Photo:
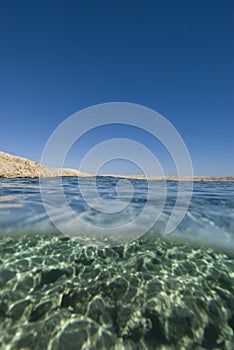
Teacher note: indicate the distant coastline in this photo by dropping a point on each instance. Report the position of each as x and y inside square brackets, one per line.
[12, 166]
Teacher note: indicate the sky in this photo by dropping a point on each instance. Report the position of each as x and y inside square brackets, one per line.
[176, 57]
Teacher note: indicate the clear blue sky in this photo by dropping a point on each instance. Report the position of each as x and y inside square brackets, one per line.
[176, 57]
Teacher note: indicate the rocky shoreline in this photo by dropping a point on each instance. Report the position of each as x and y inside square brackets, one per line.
[12, 166]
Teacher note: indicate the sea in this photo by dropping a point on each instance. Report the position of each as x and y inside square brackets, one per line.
[75, 275]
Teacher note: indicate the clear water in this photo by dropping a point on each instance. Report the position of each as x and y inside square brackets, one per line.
[160, 291]
[209, 220]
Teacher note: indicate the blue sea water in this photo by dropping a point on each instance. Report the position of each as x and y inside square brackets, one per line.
[209, 219]
[157, 291]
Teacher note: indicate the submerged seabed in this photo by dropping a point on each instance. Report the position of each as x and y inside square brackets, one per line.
[148, 294]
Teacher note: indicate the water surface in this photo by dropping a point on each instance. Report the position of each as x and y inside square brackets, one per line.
[209, 220]
[160, 291]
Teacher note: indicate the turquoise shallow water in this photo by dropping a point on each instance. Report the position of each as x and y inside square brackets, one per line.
[157, 292]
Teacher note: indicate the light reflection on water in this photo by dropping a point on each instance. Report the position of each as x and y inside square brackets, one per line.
[148, 294]
[209, 220]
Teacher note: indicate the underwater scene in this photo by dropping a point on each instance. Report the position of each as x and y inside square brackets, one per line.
[158, 290]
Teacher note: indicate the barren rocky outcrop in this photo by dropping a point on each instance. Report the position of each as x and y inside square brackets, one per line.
[12, 166]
